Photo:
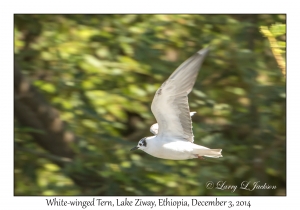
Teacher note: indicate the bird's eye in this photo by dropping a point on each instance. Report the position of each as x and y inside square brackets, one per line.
[140, 144]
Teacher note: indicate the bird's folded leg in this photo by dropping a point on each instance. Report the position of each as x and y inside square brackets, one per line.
[201, 157]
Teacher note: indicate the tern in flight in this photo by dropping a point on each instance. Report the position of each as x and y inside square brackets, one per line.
[173, 135]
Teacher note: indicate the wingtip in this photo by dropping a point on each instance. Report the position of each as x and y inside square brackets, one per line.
[203, 51]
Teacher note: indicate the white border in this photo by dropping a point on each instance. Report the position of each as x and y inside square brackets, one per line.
[8, 8]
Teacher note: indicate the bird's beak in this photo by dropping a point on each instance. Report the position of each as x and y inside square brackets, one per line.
[134, 148]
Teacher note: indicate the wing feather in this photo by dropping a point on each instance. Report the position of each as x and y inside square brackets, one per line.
[154, 127]
[170, 104]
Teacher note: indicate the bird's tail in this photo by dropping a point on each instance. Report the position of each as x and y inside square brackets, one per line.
[213, 153]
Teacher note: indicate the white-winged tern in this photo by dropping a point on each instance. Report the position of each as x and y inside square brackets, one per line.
[173, 136]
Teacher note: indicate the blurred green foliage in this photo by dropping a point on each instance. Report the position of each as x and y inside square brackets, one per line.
[101, 73]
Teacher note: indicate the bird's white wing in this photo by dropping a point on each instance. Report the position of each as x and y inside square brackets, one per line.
[154, 127]
[170, 104]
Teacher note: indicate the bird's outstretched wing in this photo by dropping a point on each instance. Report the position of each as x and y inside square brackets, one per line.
[154, 127]
[170, 104]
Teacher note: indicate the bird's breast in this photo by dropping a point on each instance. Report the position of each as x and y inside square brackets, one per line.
[175, 150]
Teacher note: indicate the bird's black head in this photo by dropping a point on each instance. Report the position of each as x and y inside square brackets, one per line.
[141, 145]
